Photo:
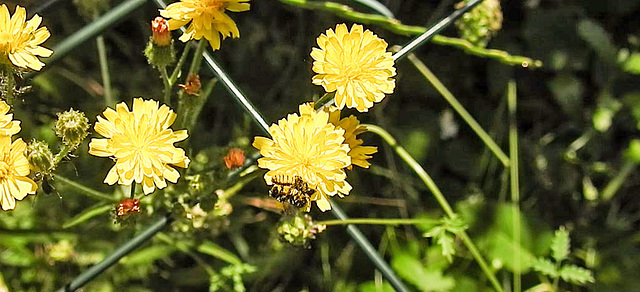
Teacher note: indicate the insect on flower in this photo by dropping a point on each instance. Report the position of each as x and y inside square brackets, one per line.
[127, 206]
[292, 190]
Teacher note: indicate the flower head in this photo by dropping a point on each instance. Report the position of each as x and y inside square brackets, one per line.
[354, 64]
[8, 126]
[352, 128]
[207, 17]
[310, 147]
[14, 168]
[141, 142]
[160, 32]
[72, 127]
[20, 41]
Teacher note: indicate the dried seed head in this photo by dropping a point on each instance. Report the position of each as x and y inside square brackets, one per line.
[192, 85]
[128, 206]
[234, 158]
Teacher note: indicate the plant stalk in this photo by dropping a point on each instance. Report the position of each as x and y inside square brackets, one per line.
[514, 179]
[104, 71]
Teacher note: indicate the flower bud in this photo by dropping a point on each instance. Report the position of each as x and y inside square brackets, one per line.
[160, 28]
[234, 158]
[192, 85]
[40, 157]
[481, 23]
[72, 127]
[299, 230]
[159, 50]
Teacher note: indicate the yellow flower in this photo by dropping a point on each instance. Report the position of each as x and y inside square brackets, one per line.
[351, 126]
[354, 64]
[8, 126]
[310, 147]
[20, 41]
[14, 168]
[207, 19]
[141, 143]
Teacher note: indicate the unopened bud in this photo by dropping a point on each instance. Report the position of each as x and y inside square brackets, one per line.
[128, 206]
[40, 157]
[160, 29]
[192, 85]
[481, 23]
[72, 127]
[299, 230]
[234, 158]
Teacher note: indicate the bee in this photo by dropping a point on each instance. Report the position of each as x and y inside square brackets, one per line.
[292, 190]
[127, 206]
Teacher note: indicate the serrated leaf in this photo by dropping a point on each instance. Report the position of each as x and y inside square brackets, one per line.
[446, 241]
[545, 266]
[435, 231]
[576, 275]
[560, 245]
[455, 224]
[412, 270]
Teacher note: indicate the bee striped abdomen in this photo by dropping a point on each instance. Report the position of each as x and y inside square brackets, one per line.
[292, 190]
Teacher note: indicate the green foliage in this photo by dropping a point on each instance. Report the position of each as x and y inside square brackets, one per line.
[560, 251]
[415, 272]
[442, 234]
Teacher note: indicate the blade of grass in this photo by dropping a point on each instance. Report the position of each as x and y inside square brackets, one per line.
[515, 185]
[459, 108]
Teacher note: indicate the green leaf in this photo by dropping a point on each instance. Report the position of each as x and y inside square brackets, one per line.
[88, 214]
[217, 251]
[568, 91]
[545, 266]
[633, 152]
[598, 39]
[412, 270]
[447, 243]
[504, 249]
[560, 245]
[632, 63]
[371, 287]
[576, 275]
[148, 255]
[455, 224]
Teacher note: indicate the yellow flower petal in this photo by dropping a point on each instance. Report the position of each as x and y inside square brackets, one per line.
[20, 41]
[142, 143]
[14, 168]
[355, 65]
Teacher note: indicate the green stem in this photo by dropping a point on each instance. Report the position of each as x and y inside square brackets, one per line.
[178, 68]
[197, 57]
[396, 26]
[428, 181]
[116, 255]
[133, 190]
[326, 99]
[459, 108]
[228, 193]
[61, 155]
[377, 221]
[167, 85]
[615, 184]
[11, 83]
[515, 185]
[104, 70]
[85, 190]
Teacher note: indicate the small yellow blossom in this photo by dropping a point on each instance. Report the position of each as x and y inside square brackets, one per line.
[20, 41]
[354, 64]
[351, 126]
[207, 17]
[14, 168]
[8, 126]
[310, 147]
[141, 142]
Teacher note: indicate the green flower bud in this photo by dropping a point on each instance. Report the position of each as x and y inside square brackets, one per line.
[72, 127]
[160, 56]
[40, 157]
[299, 230]
[481, 23]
